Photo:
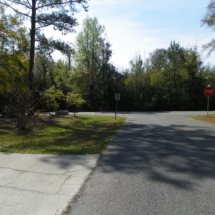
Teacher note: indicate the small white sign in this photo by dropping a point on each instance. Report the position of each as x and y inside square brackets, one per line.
[117, 96]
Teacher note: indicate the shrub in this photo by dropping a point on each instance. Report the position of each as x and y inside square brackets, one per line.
[75, 100]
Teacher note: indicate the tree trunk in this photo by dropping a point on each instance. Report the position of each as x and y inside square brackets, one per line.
[32, 44]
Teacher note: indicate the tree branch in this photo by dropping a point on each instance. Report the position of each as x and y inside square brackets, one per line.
[29, 3]
[43, 26]
[210, 47]
[62, 22]
[24, 14]
[19, 3]
[62, 3]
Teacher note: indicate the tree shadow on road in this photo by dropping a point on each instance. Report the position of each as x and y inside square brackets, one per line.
[164, 154]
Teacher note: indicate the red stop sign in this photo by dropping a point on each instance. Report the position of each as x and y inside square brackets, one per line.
[208, 91]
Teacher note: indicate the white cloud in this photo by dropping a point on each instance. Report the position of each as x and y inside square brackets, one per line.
[143, 26]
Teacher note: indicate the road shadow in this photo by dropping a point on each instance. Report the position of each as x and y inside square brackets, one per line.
[165, 154]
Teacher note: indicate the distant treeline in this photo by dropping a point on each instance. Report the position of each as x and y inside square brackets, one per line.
[170, 79]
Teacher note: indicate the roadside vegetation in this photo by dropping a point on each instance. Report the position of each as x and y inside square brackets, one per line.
[84, 79]
[59, 135]
[204, 118]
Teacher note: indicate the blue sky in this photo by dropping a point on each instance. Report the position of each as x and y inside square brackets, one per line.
[141, 26]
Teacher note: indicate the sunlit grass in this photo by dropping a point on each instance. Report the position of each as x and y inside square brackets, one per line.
[80, 135]
[204, 118]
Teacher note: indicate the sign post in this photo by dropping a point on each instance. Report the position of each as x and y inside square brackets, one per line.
[117, 98]
[208, 91]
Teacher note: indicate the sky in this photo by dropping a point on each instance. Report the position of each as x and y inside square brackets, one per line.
[142, 26]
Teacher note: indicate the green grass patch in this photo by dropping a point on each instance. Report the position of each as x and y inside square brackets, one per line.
[204, 118]
[60, 135]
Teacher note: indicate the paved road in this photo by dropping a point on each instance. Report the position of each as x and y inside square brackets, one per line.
[157, 164]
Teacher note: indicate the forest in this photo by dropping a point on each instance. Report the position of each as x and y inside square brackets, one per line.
[85, 79]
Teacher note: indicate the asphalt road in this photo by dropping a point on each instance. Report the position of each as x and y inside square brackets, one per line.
[157, 164]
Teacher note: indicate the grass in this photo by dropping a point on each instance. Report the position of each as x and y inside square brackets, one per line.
[204, 118]
[60, 135]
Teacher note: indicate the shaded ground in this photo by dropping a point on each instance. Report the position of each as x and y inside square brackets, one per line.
[157, 164]
[60, 135]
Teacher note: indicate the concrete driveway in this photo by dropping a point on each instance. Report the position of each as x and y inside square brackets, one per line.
[41, 184]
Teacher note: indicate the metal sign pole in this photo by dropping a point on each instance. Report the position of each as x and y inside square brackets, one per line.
[116, 109]
[207, 105]
[117, 98]
[208, 91]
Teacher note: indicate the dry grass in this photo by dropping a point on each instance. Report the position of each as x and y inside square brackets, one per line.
[204, 118]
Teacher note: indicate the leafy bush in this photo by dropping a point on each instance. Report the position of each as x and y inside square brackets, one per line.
[74, 100]
[51, 98]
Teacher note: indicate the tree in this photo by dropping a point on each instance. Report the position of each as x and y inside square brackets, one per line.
[137, 73]
[91, 64]
[170, 79]
[193, 84]
[74, 100]
[43, 71]
[46, 71]
[21, 105]
[51, 98]
[88, 48]
[209, 20]
[56, 13]
[13, 52]
[174, 70]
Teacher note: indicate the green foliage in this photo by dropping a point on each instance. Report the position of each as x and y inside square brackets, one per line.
[13, 52]
[75, 100]
[88, 51]
[209, 20]
[170, 79]
[41, 14]
[20, 105]
[51, 98]
[94, 76]
[47, 72]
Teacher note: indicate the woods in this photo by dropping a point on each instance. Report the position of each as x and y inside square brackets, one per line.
[85, 78]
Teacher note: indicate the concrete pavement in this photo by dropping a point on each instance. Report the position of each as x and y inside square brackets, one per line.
[41, 184]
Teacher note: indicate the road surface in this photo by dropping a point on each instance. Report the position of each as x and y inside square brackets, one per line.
[159, 163]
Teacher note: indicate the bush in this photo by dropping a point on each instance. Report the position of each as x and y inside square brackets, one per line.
[51, 97]
[74, 100]
[21, 105]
